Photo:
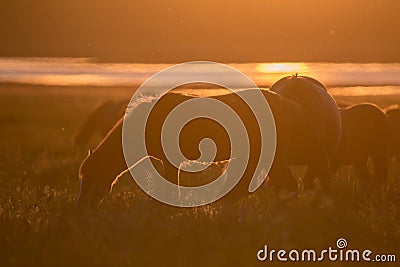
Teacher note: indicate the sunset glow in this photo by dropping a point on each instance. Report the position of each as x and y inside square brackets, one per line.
[282, 68]
[199, 133]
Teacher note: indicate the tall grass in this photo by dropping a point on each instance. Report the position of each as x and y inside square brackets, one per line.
[40, 226]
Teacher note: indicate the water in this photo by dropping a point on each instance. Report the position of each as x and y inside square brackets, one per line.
[340, 78]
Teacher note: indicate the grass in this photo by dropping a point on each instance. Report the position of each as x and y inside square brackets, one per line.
[40, 226]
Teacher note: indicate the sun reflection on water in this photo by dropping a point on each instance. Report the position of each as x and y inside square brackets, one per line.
[282, 68]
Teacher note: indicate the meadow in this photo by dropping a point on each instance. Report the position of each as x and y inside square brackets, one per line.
[41, 226]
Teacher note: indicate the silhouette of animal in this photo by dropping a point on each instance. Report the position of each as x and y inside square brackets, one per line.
[100, 168]
[100, 122]
[322, 125]
[393, 114]
[365, 134]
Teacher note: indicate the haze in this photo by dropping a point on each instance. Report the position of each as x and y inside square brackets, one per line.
[226, 31]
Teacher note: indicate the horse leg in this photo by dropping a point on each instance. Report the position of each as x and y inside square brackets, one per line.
[334, 165]
[361, 169]
[281, 176]
[380, 161]
[309, 178]
[318, 168]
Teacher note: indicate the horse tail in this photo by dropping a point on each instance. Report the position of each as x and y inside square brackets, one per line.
[380, 156]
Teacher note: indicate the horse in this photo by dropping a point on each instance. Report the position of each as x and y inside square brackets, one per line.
[100, 121]
[365, 134]
[393, 114]
[322, 123]
[101, 167]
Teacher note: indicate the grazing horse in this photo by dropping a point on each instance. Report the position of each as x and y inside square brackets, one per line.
[322, 124]
[393, 114]
[100, 121]
[365, 135]
[100, 168]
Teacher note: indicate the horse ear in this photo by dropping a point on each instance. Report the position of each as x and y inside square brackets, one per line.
[90, 152]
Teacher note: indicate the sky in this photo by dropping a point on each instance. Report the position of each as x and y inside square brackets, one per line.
[182, 30]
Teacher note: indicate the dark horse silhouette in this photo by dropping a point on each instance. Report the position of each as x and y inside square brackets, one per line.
[393, 114]
[99, 122]
[365, 135]
[322, 123]
[294, 133]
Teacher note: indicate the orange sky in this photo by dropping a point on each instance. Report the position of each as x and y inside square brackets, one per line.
[179, 30]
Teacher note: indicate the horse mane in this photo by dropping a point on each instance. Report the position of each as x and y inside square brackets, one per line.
[142, 98]
[391, 107]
